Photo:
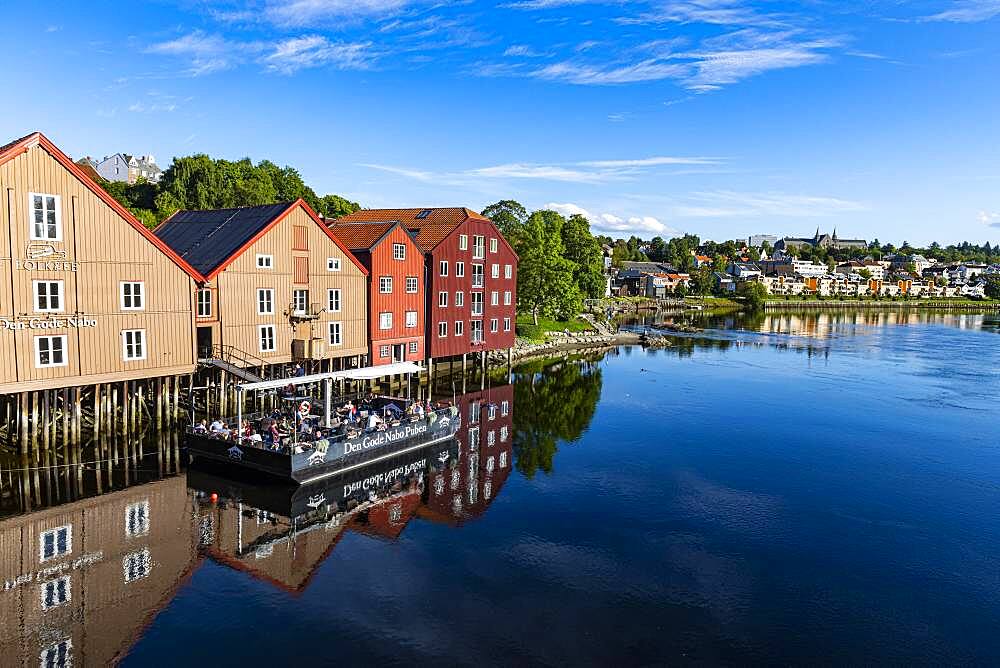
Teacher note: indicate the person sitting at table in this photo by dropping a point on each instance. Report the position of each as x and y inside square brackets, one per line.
[373, 421]
[216, 426]
[200, 428]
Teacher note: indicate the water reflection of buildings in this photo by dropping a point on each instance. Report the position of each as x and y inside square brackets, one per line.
[81, 581]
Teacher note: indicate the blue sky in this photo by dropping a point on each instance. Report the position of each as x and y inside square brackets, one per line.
[718, 117]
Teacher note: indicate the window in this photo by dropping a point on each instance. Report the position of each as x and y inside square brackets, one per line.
[383, 351]
[56, 592]
[491, 438]
[494, 271]
[300, 301]
[333, 300]
[475, 412]
[265, 337]
[398, 251]
[504, 408]
[493, 244]
[503, 434]
[132, 298]
[333, 264]
[411, 284]
[58, 655]
[335, 333]
[493, 324]
[459, 327]
[442, 329]
[413, 347]
[478, 247]
[477, 276]
[137, 519]
[442, 299]
[477, 303]
[204, 303]
[385, 285]
[385, 320]
[411, 318]
[443, 268]
[133, 344]
[494, 298]
[506, 324]
[463, 242]
[265, 261]
[477, 331]
[503, 456]
[55, 542]
[45, 216]
[265, 301]
[459, 298]
[48, 296]
[460, 269]
[50, 351]
[506, 271]
[136, 565]
[506, 297]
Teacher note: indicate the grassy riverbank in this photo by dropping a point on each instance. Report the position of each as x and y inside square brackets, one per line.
[526, 327]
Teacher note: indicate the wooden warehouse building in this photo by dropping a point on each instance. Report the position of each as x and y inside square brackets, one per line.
[277, 287]
[471, 277]
[87, 294]
[395, 265]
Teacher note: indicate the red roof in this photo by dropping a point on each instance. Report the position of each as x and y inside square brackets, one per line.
[19, 146]
[430, 226]
[360, 236]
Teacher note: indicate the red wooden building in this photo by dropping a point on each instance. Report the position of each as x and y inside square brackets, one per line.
[396, 296]
[470, 273]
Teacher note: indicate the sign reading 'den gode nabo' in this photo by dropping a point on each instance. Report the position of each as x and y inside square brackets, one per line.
[384, 437]
[76, 322]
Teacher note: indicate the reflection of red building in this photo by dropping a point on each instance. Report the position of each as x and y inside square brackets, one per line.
[464, 491]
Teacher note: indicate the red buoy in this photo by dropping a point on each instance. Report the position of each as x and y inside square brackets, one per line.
[214, 497]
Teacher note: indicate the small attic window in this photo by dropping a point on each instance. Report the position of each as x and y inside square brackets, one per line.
[423, 214]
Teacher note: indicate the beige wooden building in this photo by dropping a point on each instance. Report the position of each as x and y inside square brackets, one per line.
[87, 294]
[278, 286]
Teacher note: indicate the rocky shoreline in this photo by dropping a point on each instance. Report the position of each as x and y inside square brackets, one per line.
[560, 342]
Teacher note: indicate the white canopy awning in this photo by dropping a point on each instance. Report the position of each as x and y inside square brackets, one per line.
[366, 373]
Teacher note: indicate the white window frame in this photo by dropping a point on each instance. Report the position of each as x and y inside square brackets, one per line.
[48, 296]
[265, 261]
[482, 276]
[495, 298]
[442, 329]
[335, 333]
[50, 655]
[411, 319]
[143, 528]
[384, 322]
[443, 299]
[198, 302]
[494, 270]
[57, 203]
[443, 268]
[459, 327]
[399, 251]
[140, 556]
[494, 325]
[299, 292]
[43, 588]
[140, 343]
[414, 347]
[260, 339]
[385, 285]
[506, 324]
[384, 351]
[460, 269]
[506, 297]
[481, 301]
[506, 271]
[504, 408]
[269, 294]
[478, 247]
[459, 299]
[333, 264]
[463, 242]
[333, 299]
[412, 285]
[493, 244]
[65, 352]
[55, 543]
[142, 295]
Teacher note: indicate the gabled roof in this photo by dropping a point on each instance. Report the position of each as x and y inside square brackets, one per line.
[365, 236]
[212, 239]
[429, 226]
[19, 146]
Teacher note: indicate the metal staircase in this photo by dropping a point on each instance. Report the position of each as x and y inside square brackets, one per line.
[233, 361]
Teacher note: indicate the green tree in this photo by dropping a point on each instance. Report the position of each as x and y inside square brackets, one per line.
[546, 284]
[992, 286]
[584, 251]
[701, 281]
[509, 216]
[754, 293]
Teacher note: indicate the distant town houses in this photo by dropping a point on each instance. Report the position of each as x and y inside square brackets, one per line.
[828, 241]
[127, 168]
[758, 240]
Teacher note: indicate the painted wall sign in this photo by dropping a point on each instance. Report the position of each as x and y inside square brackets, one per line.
[45, 265]
[73, 322]
[76, 564]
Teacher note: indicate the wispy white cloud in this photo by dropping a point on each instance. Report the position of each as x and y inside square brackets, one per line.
[712, 12]
[521, 51]
[206, 53]
[298, 53]
[732, 204]
[967, 11]
[991, 218]
[652, 162]
[614, 224]
[309, 13]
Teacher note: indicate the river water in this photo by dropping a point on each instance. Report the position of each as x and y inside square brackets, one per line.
[801, 489]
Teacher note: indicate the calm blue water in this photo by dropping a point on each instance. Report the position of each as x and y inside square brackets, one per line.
[782, 490]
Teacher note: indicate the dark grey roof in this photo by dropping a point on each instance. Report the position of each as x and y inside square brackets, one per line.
[206, 239]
